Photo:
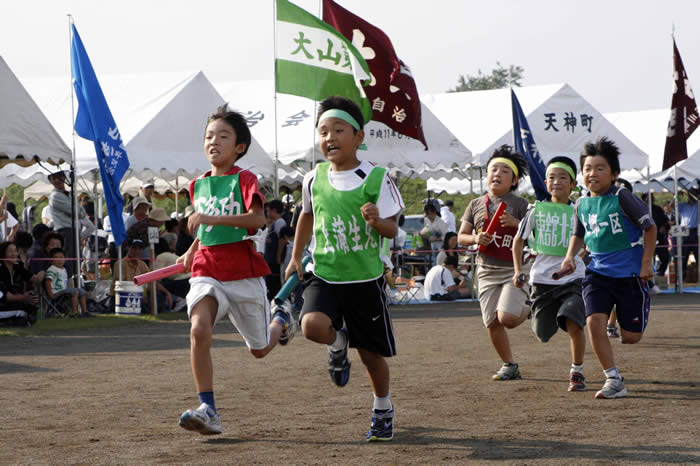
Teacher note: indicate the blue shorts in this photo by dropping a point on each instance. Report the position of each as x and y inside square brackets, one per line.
[629, 295]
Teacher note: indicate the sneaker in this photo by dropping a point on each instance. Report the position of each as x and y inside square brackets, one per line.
[283, 315]
[613, 388]
[200, 420]
[507, 372]
[653, 289]
[612, 331]
[577, 382]
[382, 427]
[338, 364]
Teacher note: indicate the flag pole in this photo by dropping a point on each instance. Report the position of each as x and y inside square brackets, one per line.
[73, 195]
[275, 186]
[679, 239]
[313, 137]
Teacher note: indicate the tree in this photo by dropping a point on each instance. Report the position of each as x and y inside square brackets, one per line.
[499, 78]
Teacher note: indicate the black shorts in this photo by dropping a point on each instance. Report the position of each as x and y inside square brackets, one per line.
[552, 305]
[363, 306]
[629, 295]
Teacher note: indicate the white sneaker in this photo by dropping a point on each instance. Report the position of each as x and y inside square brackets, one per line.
[283, 314]
[201, 421]
[653, 289]
[613, 388]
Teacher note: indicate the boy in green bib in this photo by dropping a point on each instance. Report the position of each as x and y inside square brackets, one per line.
[556, 303]
[620, 234]
[348, 205]
[227, 271]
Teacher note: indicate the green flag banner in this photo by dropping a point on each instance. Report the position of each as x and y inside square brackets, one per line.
[314, 60]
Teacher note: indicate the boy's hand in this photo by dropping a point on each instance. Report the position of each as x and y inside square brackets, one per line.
[294, 267]
[646, 272]
[193, 222]
[370, 213]
[186, 260]
[507, 220]
[483, 238]
[568, 262]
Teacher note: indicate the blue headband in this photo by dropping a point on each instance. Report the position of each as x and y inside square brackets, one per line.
[346, 117]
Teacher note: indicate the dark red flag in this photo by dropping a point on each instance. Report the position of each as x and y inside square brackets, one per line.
[392, 90]
[684, 114]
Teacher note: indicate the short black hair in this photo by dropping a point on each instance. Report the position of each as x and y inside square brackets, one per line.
[48, 237]
[287, 232]
[237, 121]
[606, 149]
[54, 251]
[625, 184]
[341, 103]
[506, 152]
[451, 260]
[39, 231]
[430, 207]
[566, 160]
[276, 205]
[24, 240]
[449, 203]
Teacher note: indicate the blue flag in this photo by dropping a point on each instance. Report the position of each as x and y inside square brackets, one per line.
[94, 122]
[524, 142]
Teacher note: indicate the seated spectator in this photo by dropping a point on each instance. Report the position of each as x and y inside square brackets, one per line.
[434, 229]
[35, 251]
[24, 242]
[449, 246]
[18, 281]
[184, 239]
[40, 261]
[9, 226]
[440, 285]
[58, 284]
[139, 230]
[132, 265]
[178, 284]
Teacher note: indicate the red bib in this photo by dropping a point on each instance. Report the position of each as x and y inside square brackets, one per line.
[501, 244]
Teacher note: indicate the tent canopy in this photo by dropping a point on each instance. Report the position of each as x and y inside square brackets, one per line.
[25, 132]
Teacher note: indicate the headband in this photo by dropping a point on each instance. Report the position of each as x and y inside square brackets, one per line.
[505, 161]
[563, 166]
[345, 116]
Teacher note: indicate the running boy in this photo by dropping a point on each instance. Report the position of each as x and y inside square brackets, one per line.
[555, 303]
[348, 205]
[620, 234]
[227, 272]
[502, 304]
[57, 284]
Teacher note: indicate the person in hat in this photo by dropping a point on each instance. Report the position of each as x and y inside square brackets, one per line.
[62, 214]
[140, 207]
[156, 218]
[146, 191]
[132, 265]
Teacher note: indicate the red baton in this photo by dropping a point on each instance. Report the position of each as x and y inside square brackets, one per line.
[493, 224]
[158, 274]
[563, 272]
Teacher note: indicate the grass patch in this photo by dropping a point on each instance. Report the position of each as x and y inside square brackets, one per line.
[48, 326]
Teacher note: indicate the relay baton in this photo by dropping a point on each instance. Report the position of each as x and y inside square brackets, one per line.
[158, 274]
[493, 224]
[290, 284]
[563, 272]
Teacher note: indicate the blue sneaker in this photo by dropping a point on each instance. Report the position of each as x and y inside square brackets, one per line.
[382, 427]
[283, 315]
[338, 364]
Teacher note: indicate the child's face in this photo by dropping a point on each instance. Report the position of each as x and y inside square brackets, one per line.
[597, 174]
[220, 144]
[58, 260]
[559, 183]
[500, 178]
[339, 141]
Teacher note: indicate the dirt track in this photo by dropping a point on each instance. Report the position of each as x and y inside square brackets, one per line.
[114, 396]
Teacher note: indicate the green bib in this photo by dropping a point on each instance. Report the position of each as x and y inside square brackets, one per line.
[554, 225]
[218, 195]
[604, 223]
[346, 248]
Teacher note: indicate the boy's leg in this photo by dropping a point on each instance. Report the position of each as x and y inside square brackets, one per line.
[318, 327]
[578, 341]
[597, 324]
[74, 304]
[633, 304]
[382, 425]
[377, 370]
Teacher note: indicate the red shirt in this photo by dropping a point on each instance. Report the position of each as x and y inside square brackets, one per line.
[233, 261]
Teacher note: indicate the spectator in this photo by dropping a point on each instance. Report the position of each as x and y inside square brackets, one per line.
[24, 242]
[446, 212]
[9, 226]
[18, 281]
[179, 284]
[434, 229]
[184, 239]
[140, 207]
[449, 246]
[440, 284]
[62, 214]
[46, 217]
[273, 245]
[688, 214]
[140, 229]
[58, 284]
[662, 228]
[36, 250]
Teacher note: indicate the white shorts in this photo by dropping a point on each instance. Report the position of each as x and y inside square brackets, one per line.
[243, 301]
[497, 293]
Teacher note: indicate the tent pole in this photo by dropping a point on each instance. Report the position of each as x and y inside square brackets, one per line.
[679, 239]
[74, 186]
[275, 178]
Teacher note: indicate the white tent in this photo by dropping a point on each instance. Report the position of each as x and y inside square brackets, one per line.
[464, 186]
[295, 139]
[129, 185]
[560, 119]
[24, 130]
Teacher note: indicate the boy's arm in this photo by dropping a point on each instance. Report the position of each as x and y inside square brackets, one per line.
[187, 258]
[386, 227]
[518, 245]
[48, 288]
[647, 271]
[575, 245]
[302, 236]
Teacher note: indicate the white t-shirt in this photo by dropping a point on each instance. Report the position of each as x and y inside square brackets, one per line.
[449, 218]
[8, 225]
[58, 278]
[107, 226]
[437, 280]
[545, 265]
[46, 217]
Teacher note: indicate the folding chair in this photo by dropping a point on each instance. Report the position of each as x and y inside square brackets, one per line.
[60, 307]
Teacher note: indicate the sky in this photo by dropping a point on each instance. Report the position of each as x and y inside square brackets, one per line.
[616, 54]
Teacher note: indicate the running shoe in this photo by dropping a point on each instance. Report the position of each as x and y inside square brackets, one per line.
[613, 388]
[612, 331]
[509, 371]
[382, 427]
[338, 363]
[201, 420]
[283, 315]
[577, 382]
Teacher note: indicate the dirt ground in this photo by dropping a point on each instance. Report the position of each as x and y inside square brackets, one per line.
[115, 395]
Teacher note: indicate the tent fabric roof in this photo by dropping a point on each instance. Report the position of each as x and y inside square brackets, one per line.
[483, 121]
[25, 132]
